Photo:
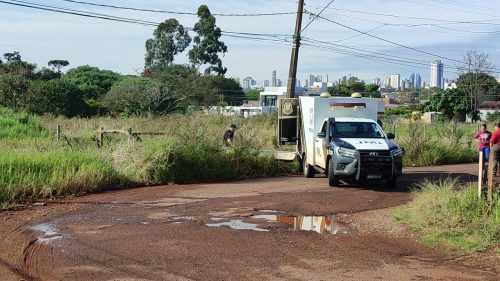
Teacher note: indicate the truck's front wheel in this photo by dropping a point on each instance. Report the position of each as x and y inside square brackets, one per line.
[308, 169]
[333, 180]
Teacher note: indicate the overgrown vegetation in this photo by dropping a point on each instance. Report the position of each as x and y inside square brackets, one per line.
[435, 144]
[35, 165]
[451, 216]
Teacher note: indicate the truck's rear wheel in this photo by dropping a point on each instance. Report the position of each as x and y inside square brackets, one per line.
[308, 169]
[333, 180]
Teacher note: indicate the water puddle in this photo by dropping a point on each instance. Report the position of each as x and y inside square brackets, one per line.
[49, 232]
[319, 224]
[237, 224]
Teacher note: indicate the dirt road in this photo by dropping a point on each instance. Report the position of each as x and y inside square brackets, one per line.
[288, 228]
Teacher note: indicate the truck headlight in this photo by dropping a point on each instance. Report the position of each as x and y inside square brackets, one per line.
[398, 152]
[350, 153]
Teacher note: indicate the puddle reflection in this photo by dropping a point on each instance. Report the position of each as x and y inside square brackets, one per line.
[319, 224]
[237, 224]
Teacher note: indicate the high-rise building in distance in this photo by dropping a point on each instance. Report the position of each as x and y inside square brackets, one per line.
[266, 83]
[395, 81]
[416, 81]
[274, 81]
[436, 80]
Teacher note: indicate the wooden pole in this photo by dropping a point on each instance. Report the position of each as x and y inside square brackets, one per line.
[101, 137]
[58, 132]
[292, 74]
[490, 175]
[130, 136]
[480, 175]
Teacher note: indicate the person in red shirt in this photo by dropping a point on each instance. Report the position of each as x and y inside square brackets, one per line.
[495, 147]
[483, 138]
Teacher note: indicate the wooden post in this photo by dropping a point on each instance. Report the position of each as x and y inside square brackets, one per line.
[101, 137]
[130, 136]
[480, 175]
[394, 128]
[58, 132]
[425, 131]
[490, 176]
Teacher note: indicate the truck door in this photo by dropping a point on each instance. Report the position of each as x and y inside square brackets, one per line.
[320, 146]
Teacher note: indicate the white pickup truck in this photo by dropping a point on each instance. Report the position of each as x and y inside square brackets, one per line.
[340, 137]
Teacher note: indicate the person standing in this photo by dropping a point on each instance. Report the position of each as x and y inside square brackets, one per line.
[483, 138]
[495, 147]
[229, 134]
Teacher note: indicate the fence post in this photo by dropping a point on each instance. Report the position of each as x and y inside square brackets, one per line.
[58, 132]
[101, 137]
[130, 135]
[490, 175]
[480, 175]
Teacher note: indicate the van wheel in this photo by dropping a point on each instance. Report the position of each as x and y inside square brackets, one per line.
[333, 180]
[308, 169]
[391, 183]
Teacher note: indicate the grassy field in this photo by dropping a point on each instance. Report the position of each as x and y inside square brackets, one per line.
[452, 217]
[187, 149]
[436, 144]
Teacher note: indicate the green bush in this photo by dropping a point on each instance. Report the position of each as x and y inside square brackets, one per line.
[452, 217]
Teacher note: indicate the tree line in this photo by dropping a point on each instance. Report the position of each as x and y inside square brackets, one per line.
[163, 87]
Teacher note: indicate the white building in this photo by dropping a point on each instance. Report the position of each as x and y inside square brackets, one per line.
[395, 81]
[436, 80]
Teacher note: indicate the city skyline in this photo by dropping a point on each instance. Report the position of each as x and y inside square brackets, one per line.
[348, 39]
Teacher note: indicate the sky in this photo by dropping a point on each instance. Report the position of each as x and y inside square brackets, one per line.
[363, 38]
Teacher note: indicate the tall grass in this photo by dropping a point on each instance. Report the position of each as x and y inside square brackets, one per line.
[452, 217]
[436, 144]
[188, 150]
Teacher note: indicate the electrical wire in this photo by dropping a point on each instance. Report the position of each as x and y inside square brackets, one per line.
[316, 16]
[177, 13]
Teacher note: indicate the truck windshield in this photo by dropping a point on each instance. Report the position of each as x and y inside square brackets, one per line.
[355, 130]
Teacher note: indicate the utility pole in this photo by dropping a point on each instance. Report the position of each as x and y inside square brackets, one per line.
[292, 75]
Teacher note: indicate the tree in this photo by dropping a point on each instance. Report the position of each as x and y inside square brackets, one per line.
[13, 89]
[472, 70]
[12, 57]
[253, 94]
[46, 74]
[169, 39]
[93, 82]
[58, 97]
[140, 95]
[452, 103]
[207, 46]
[339, 91]
[371, 88]
[58, 64]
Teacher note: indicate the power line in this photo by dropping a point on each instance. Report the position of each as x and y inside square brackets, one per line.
[39, 6]
[176, 13]
[388, 41]
[316, 16]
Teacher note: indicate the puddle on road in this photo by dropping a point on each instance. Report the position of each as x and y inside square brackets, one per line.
[237, 224]
[319, 224]
[49, 232]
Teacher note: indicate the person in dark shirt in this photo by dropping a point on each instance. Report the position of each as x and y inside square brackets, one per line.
[229, 134]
